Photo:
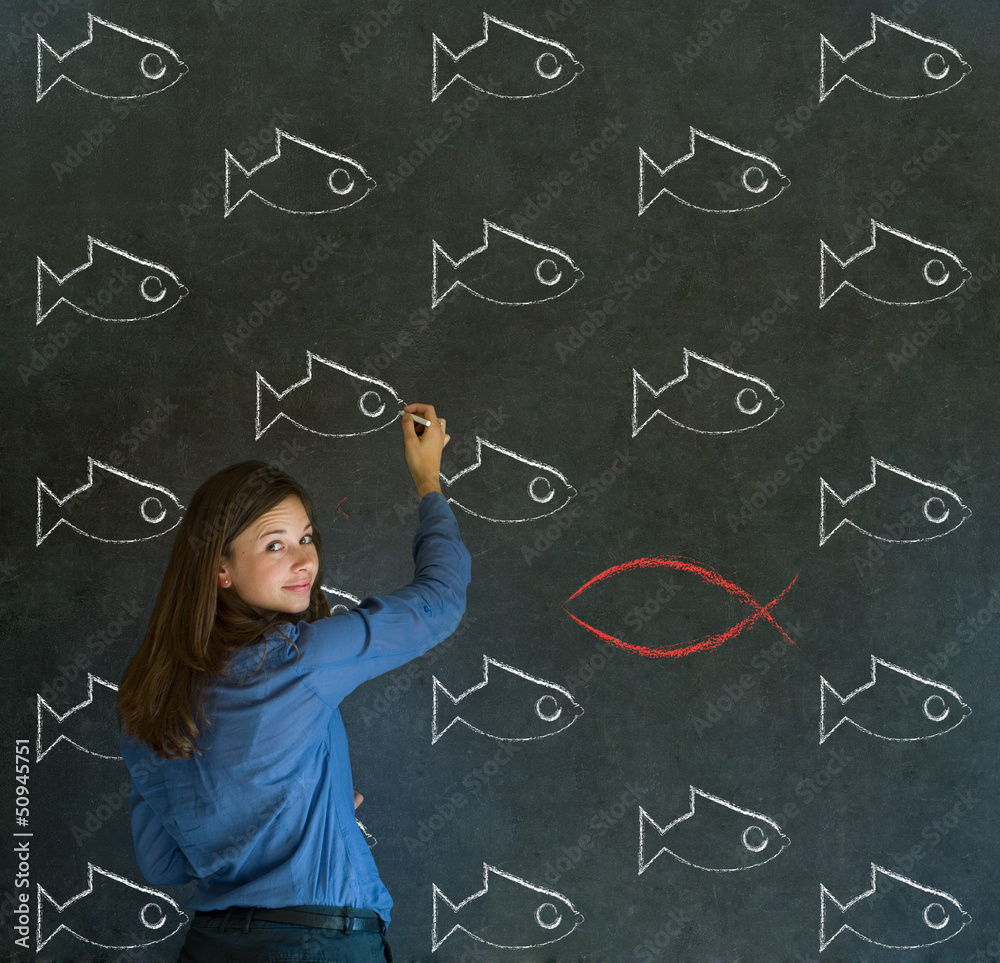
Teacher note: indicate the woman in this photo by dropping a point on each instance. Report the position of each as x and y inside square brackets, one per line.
[231, 730]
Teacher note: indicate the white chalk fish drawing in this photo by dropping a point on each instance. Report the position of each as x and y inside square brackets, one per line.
[713, 835]
[330, 400]
[111, 506]
[112, 62]
[713, 176]
[896, 704]
[339, 601]
[507, 912]
[906, 508]
[500, 486]
[896, 63]
[299, 178]
[508, 62]
[509, 268]
[511, 706]
[897, 269]
[112, 912]
[903, 916]
[91, 725]
[708, 398]
[111, 285]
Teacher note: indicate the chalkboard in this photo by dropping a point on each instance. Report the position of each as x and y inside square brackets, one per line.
[708, 294]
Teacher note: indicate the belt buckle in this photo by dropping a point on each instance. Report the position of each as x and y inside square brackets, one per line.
[348, 924]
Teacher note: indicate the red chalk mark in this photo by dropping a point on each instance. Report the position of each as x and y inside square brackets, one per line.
[339, 509]
[707, 575]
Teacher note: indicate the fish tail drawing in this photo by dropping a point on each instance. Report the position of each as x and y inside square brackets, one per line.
[438, 726]
[444, 276]
[237, 184]
[825, 528]
[446, 73]
[45, 740]
[827, 903]
[268, 406]
[49, 291]
[44, 902]
[650, 176]
[440, 898]
[49, 69]
[837, 71]
[44, 529]
[825, 729]
[646, 820]
[827, 287]
[650, 408]
[760, 611]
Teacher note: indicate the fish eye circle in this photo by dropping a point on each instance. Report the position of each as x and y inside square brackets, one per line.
[153, 289]
[546, 714]
[939, 913]
[551, 269]
[340, 181]
[540, 484]
[548, 65]
[937, 267]
[930, 63]
[754, 838]
[371, 404]
[935, 510]
[748, 401]
[152, 510]
[931, 704]
[550, 911]
[152, 66]
[758, 175]
[149, 913]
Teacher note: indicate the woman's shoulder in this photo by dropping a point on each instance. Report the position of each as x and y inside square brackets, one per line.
[275, 647]
[288, 641]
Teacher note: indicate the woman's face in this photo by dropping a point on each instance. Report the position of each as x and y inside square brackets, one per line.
[272, 563]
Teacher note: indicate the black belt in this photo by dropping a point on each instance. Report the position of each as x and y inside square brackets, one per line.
[343, 918]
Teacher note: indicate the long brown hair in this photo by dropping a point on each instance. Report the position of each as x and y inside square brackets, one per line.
[196, 626]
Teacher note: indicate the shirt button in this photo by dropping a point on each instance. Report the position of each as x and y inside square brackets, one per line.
[427, 609]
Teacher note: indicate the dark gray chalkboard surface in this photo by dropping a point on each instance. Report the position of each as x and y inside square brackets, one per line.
[552, 220]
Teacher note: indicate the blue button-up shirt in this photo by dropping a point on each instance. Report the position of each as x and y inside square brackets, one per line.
[265, 817]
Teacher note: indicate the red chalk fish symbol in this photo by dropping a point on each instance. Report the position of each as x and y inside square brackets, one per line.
[706, 574]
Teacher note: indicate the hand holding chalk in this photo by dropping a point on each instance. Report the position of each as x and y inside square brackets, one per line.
[423, 445]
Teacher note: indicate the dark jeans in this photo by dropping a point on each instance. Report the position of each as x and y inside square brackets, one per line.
[214, 939]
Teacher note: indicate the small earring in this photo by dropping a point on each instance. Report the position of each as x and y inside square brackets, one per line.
[225, 584]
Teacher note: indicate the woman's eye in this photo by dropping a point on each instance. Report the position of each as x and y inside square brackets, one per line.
[307, 539]
[273, 547]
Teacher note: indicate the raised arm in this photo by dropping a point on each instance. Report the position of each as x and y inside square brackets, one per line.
[339, 653]
[422, 446]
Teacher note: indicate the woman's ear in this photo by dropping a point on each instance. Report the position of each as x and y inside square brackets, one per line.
[225, 579]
